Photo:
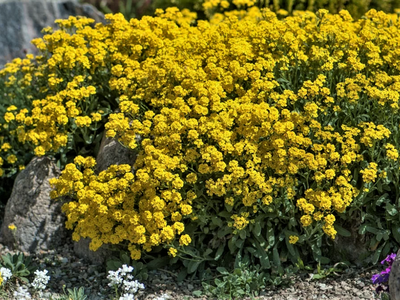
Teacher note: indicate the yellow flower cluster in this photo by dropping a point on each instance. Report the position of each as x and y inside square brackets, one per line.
[245, 110]
[108, 209]
[370, 173]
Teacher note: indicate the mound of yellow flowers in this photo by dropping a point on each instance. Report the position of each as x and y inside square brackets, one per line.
[248, 124]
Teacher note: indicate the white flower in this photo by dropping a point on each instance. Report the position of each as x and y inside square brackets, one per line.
[122, 279]
[125, 269]
[133, 286]
[22, 293]
[127, 297]
[5, 273]
[114, 278]
[41, 280]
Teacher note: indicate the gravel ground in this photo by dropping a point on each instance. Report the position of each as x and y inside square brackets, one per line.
[66, 269]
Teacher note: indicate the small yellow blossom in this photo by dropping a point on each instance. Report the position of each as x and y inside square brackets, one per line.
[172, 252]
[293, 239]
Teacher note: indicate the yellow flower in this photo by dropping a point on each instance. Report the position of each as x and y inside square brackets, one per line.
[185, 240]
[172, 252]
[293, 239]
[12, 227]
[11, 158]
[306, 220]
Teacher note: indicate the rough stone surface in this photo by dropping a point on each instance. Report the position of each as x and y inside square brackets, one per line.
[23, 20]
[394, 279]
[111, 152]
[98, 257]
[353, 248]
[39, 220]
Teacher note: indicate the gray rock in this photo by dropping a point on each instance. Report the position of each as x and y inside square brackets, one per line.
[39, 220]
[98, 257]
[111, 152]
[23, 20]
[394, 279]
[353, 249]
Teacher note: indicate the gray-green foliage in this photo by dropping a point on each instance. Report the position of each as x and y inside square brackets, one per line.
[73, 294]
[245, 280]
[19, 264]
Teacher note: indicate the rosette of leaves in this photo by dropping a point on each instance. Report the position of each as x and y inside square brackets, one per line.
[19, 264]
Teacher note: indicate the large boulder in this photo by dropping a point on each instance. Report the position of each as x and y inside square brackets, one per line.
[394, 279]
[23, 20]
[39, 220]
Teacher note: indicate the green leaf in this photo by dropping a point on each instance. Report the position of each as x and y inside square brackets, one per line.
[182, 275]
[396, 232]
[386, 249]
[207, 252]
[386, 187]
[157, 263]
[391, 210]
[113, 264]
[252, 251]
[24, 279]
[224, 231]
[192, 266]
[276, 258]
[265, 263]
[341, 231]
[125, 258]
[379, 186]
[377, 254]
[372, 229]
[219, 283]
[197, 293]
[381, 199]
[239, 243]
[363, 229]
[355, 175]
[271, 237]
[264, 259]
[242, 234]
[217, 221]
[257, 229]
[324, 260]
[223, 270]
[231, 246]
[219, 252]
[225, 215]
[290, 247]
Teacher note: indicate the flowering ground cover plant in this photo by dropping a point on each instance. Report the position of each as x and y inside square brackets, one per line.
[382, 278]
[255, 136]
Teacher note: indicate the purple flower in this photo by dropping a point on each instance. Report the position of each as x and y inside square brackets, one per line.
[389, 259]
[383, 277]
